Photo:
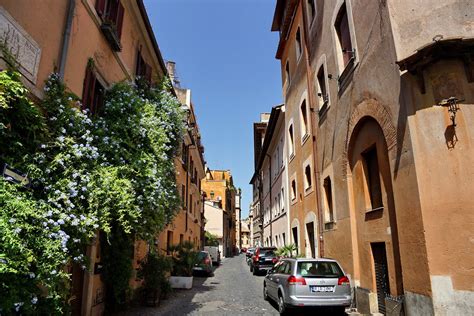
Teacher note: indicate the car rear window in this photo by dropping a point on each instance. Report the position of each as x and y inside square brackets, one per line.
[267, 252]
[202, 255]
[319, 269]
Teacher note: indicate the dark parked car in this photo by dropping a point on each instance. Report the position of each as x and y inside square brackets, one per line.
[298, 283]
[204, 264]
[263, 259]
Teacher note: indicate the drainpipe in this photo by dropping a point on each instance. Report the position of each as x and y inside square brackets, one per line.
[66, 36]
[313, 132]
[270, 192]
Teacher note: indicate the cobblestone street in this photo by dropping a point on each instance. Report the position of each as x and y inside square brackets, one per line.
[232, 291]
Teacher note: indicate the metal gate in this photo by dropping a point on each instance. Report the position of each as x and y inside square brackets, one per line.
[381, 274]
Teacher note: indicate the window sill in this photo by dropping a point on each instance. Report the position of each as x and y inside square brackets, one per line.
[304, 139]
[374, 210]
[346, 75]
[308, 190]
[293, 201]
[111, 35]
[292, 156]
[323, 111]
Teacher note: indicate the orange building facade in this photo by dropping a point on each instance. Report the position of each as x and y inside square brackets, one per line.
[93, 44]
[389, 89]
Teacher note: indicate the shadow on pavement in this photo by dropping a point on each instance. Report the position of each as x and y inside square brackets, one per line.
[180, 301]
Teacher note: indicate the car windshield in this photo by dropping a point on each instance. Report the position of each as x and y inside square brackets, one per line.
[319, 269]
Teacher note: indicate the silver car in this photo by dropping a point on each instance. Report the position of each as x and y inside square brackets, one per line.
[307, 282]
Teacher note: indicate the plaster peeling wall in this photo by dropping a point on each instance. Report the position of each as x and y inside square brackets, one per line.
[448, 301]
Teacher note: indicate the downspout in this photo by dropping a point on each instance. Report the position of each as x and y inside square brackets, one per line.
[270, 192]
[66, 37]
[187, 186]
[313, 132]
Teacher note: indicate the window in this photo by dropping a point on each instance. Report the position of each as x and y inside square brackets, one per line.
[311, 10]
[191, 203]
[287, 73]
[307, 178]
[293, 189]
[373, 178]
[143, 69]
[283, 239]
[298, 44]
[344, 36]
[184, 155]
[183, 195]
[93, 92]
[291, 145]
[212, 195]
[111, 12]
[282, 199]
[322, 90]
[294, 230]
[169, 241]
[181, 238]
[328, 209]
[304, 120]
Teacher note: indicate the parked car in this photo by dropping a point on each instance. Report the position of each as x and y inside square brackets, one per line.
[243, 250]
[204, 264]
[263, 259]
[215, 254]
[249, 254]
[307, 282]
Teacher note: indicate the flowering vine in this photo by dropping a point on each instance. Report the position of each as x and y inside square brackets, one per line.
[113, 173]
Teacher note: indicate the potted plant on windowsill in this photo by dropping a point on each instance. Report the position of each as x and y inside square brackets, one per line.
[154, 270]
[184, 258]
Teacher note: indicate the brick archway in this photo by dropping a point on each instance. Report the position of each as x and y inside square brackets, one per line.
[377, 111]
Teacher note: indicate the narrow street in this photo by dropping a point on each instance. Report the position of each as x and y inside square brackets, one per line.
[233, 290]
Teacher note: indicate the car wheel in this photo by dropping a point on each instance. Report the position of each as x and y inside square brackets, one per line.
[265, 292]
[281, 305]
[255, 271]
[251, 268]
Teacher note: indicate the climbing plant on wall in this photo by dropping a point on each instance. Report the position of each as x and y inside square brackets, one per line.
[113, 173]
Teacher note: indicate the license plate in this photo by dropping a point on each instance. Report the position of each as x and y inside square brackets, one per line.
[321, 288]
[198, 268]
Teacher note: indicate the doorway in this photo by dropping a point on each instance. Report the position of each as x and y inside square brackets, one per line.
[381, 274]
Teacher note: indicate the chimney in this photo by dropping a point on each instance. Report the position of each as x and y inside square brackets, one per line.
[171, 67]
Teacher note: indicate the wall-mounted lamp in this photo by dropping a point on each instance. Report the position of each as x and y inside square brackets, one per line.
[452, 105]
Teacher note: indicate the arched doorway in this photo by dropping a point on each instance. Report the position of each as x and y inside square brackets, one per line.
[374, 211]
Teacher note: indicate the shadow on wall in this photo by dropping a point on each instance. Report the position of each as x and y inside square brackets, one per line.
[450, 136]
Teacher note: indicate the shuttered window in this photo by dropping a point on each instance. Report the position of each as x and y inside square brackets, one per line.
[143, 69]
[93, 93]
[111, 11]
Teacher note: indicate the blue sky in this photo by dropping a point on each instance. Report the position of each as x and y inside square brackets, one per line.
[225, 53]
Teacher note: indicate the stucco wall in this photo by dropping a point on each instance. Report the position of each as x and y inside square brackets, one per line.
[416, 22]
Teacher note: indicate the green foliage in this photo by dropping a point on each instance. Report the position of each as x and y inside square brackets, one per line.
[153, 270]
[211, 239]
[287, 251]
[113, 173]
[22, 127]
[32, 255]
[184, 258]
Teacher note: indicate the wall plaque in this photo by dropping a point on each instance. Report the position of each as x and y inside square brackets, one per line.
[21, 45]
